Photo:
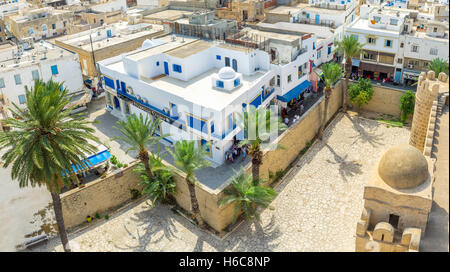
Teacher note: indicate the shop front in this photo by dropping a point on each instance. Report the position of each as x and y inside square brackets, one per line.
[377, 71]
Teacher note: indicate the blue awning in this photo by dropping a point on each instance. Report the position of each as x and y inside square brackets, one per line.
[294, 92]
[356, 62]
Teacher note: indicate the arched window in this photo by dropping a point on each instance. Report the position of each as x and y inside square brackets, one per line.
[235, 68]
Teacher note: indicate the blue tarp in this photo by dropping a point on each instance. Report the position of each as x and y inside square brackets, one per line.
[94, 160]
[295, 92]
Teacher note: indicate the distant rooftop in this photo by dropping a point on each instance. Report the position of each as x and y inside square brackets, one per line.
[122, 33]
[319, 31]
[169, 14]
[42, 51]
[363, 24]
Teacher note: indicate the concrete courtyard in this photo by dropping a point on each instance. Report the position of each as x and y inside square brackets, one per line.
[317, 208]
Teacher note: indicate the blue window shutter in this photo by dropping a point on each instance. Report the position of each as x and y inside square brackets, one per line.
[218, 57]
[22, 99]
[123, 86]
[54, 69]
[157, 63]
[109, 82]
[237, 81]
[212, 127]
[219, 84]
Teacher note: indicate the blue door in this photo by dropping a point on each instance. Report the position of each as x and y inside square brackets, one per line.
[317, 19]
[166, 68]
[398, 76]
[109, 33]
[116, 103]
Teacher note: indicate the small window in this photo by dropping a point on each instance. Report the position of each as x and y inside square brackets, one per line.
[371, 40]
[2, 83]
[218, 57]
[376, 19]
[289, 78]
[433, 51]
[394, 22]
[35, 74]
[401, 45]
[176, 68]
[329, 50]
[237, 81]
[157, 63]
[54, 69]
[435, 29]
[53, 26]
[22, 99]
[219, 84]
[17, 79]
[415, 48]
[212, 127]
[400, 61]
[388, 43]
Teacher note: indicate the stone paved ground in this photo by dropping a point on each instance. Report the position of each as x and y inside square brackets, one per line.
[316, 210]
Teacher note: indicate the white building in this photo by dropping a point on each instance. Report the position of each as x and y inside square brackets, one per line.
[381, 33]
[19, 68]
[109, 6]
[332, 13]
[11, 6]
[200, 102]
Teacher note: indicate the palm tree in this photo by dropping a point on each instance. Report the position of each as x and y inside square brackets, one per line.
[256, 122]
[331, 73]
[45, 142]
[349, 47]
[438, 65]
[163, 185]
[189, 159]
[139, 133]
[246, 196]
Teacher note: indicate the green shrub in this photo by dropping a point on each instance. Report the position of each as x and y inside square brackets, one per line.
[407, 105]
[114, 160]
[106, 216]
[163, 182]
[97, 215]
[361, 92]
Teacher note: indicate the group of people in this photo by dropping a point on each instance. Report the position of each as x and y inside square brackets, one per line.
[235, 151]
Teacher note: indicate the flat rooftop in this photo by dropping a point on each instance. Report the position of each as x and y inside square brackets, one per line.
[81, 40]
[169, 14]
[363, 24]
[198, 90]
[320, 31]
[53, 52]
[285, 10]
[269, 35]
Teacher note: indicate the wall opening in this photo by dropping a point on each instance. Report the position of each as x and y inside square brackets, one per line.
[393, 220]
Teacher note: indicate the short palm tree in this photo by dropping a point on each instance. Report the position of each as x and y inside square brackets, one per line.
[45, 142]
[139, 133]
[189, 159]
[331, 73]
[350, 48]
[438, 65]
[246, 196]
[256, 122]
[163, 184]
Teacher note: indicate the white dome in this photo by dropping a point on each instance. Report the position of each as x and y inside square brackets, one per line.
[147, 44]
[227, 73]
